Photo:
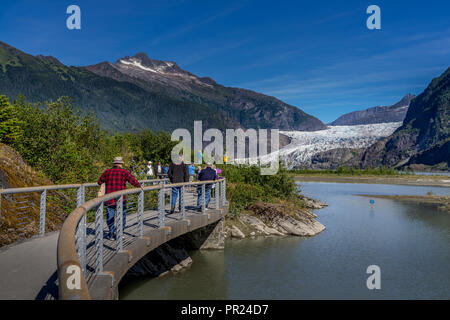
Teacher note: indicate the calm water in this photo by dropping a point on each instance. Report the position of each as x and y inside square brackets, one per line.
[409, 242]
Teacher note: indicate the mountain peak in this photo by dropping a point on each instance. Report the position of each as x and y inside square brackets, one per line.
[378, 114]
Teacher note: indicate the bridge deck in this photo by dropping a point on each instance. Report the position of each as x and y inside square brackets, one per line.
[131, 230]
[28, 268]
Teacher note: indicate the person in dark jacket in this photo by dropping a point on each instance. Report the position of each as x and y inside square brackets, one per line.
[178, 172]
[207, 174]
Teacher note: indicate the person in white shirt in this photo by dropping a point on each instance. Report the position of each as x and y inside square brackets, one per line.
[149, 171]
[159, 171]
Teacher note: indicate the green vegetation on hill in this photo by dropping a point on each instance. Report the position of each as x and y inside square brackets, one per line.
[126, 104]
[68, 146]
[10, 126]
[119, 106]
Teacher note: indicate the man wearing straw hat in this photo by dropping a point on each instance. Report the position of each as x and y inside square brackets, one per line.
[115, 179]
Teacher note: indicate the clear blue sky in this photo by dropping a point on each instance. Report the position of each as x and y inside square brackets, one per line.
[316, 55]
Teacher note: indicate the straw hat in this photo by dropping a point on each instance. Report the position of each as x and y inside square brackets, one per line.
[118, 160]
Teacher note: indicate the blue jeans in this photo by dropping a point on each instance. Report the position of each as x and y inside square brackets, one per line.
[111, 213]
[175, 192]
[208, 188]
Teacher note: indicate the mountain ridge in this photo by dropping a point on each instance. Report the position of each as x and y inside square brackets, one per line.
[377, 114]
[249, 108]
[425, 133]
[123, 102]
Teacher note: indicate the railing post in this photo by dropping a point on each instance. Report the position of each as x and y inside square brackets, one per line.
[183, 209]
[82, 226]
[83, 243]
[141, 213]
[223, 191]
[161, 207]
[203, 198]
[42, 211]
[119, 212]
[99, 239]
[217, 195]
[80, 195]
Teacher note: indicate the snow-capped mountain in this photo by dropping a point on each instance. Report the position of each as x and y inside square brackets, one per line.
[238, 107]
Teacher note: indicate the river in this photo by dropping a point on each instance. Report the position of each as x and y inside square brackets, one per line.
[410, 243]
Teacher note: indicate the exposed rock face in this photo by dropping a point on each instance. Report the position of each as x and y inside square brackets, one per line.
[274, 220]
[335, 158]
[260, 226]
[424, 134]
[379, 114]
[237, 233]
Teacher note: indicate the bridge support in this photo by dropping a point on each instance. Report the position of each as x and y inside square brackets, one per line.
[210, 237]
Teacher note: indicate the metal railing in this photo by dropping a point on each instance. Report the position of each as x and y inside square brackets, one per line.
[77, 249]
[44, 190]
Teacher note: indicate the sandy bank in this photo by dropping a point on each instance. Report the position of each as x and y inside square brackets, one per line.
[442, 202]
[432, 181]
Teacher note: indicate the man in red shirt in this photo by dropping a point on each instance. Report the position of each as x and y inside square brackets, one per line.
[115, 179]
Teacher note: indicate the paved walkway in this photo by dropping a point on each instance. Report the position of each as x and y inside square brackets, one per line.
[28, 269]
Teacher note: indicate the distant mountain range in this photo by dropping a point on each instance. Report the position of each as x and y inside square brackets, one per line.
[139, 93]
[378, 114]
[423, 138]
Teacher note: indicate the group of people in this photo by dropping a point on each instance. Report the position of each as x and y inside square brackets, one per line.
[116, 178]
[159, 172]
[180, 172]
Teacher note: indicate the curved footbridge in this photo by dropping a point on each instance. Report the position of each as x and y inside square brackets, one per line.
[88, 264]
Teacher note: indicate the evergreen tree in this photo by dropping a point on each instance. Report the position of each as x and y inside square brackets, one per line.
[10, 130]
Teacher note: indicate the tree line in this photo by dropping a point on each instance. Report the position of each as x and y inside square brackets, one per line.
[69, 146]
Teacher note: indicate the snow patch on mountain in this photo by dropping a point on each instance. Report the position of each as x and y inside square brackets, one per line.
[162, 68]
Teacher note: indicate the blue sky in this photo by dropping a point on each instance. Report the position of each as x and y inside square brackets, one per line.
[316, 55]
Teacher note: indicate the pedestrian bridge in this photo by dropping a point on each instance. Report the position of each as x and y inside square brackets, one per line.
[89, 265]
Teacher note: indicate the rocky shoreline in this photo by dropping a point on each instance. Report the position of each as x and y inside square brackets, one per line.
[268, 219]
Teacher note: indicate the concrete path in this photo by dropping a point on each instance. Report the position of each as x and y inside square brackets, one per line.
[28, 269]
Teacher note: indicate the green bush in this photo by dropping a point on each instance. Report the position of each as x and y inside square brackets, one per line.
[246, 185]
[69, 146]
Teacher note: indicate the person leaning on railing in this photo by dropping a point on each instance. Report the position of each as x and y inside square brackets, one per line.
[115, 179]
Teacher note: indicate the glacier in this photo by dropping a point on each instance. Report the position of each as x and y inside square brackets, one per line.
[305, 144]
